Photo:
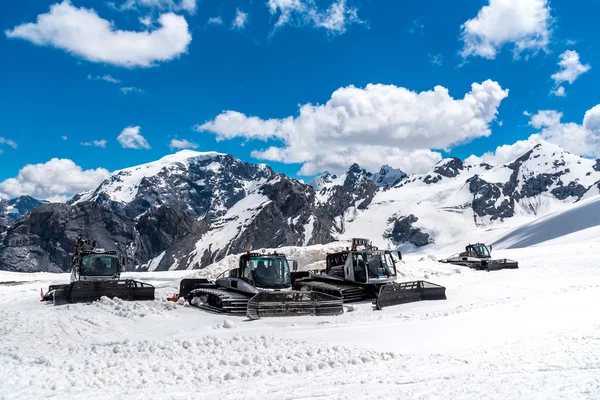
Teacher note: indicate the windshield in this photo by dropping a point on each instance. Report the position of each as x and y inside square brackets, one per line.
[380, 264]
[268, 272]
[99, 265]
[482, 251]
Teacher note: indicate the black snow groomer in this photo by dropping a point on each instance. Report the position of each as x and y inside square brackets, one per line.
[96, 272]
[358, 274]
[260, 287]
[478, 256]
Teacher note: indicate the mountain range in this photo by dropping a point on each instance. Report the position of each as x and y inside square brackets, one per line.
[190, 209]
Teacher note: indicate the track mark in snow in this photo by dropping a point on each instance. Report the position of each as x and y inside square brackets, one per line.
[74, 367]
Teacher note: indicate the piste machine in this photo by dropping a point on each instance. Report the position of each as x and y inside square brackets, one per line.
[96, 272]
[260, 287]
[478, 256]
[363, 272]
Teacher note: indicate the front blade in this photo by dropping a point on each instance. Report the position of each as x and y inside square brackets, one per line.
[293, 303]
[407, 292]
[89, 291]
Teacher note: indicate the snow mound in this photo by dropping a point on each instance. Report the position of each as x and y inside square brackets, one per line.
[580, 217]
[133, 309]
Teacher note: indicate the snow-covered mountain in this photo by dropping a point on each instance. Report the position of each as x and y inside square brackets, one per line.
[204, 185]
[242, 205]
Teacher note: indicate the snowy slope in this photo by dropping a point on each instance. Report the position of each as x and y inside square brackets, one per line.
[581, 221]
[519, 334]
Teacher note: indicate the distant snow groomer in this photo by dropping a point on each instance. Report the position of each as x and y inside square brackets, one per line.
[96, 272]
[357, 274]
[260, 287]
[478, 256]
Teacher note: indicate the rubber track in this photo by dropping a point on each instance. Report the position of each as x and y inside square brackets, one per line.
[221, 301]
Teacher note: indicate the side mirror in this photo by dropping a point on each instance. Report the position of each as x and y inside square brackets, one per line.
[399, 255]
[294, 265]
[490, 247]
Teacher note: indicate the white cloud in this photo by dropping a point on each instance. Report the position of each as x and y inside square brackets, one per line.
[523, 23]
[146, 21]
[505, 153]
[182, 144]
[570, 69]
[334, 19]
[436, 59]
[105, 78]
[559, 92]
[8, 142]
[581, 139]
[215, 21]
[64, 137]
[372, 126]
[131, 138]
[131, 89]
[240, 20]
[95, 143]
[80, 31]
[54, 180]
[545, 118]
[171, 5]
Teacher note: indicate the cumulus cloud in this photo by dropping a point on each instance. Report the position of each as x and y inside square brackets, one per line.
[131, 138]
[559, 92]
[81, 32]
[105, 78]
[131, 89]
[171, 5]
[582, 139]
[570, 69]
[505, 153]
[54, 180]
[182, 144]
[95, 143]
[545, 118]
[524, 24]
[373, 125]
[240, 20]
[335, 19]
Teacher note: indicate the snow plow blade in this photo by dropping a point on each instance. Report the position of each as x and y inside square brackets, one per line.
[407, 292]
[495, 265]
[295, 303]
[89, 291]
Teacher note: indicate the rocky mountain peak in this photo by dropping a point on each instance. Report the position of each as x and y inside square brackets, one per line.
[356, 175]
[388, 176]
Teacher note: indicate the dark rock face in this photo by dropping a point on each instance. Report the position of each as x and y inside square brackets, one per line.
[597, 166]
[164, 228]
[573, 189]
[449, 168]
[403, 231]
[485, 195]
[44, 240]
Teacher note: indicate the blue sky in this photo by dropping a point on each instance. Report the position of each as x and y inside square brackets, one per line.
[57, 82]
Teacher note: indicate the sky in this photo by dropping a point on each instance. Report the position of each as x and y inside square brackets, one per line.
[90, 87]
